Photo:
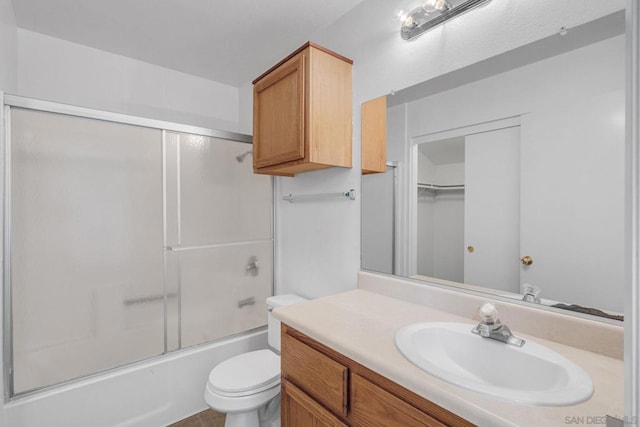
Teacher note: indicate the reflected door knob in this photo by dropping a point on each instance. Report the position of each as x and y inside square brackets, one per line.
[526, 260]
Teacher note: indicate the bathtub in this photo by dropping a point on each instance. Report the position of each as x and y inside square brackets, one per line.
[152, 393]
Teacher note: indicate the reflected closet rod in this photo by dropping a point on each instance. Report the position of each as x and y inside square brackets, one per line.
[441, 187]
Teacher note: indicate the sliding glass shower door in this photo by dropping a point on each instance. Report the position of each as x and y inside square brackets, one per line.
[125, 242]
[219, 238]
[86, 246]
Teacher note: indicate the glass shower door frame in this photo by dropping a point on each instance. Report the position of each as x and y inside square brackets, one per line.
[9, 101]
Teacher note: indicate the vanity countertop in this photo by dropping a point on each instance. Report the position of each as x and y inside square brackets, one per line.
[362, 326]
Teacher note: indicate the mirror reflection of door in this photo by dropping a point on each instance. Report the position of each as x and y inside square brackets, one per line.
[492, 209]
[468, 206]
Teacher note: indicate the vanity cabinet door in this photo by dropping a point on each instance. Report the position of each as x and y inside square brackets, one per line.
[318, 375]
[372, 406]
[298, 409]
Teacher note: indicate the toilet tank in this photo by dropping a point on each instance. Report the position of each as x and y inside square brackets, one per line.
[273, 324]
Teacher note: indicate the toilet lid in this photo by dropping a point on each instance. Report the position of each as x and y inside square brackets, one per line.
[245, 372]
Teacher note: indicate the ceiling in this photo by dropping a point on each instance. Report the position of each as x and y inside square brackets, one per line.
[445, 151]
[231, 41]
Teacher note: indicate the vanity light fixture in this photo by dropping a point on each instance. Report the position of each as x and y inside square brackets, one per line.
[420, 16]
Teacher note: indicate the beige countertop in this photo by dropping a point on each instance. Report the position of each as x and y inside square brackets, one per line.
[362, 326]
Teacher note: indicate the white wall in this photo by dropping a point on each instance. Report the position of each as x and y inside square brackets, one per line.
[440, 221]
[318, 242]
[448, 235]
[8, 48]
[318, 245]
[560, 80]
[448, 223]
[57, 70]
[377, 197]
[245, 95]
[384, 62]
[450, 174]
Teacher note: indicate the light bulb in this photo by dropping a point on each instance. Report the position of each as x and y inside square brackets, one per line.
[404, 9]
[436, 6]
[415, 18]
[402, 15]
[409, 22]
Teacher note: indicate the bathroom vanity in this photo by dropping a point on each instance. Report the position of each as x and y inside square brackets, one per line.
[315, 377]
[340, 366]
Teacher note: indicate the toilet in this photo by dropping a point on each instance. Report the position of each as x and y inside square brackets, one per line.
[247, 387]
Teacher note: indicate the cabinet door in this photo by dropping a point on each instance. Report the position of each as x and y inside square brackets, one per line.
[279, 114]
[372, 406]
[298, 409]
[374, 136]
[318, 375]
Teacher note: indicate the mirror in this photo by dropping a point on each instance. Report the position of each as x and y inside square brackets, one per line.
[508, 176]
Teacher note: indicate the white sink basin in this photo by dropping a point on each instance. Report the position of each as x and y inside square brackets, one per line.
[531, 374]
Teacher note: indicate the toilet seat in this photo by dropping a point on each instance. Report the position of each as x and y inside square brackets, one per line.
[246, 374]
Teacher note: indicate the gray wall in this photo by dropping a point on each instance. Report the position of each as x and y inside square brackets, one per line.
[8, 48]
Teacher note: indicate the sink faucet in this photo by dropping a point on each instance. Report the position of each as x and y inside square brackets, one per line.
[491, 327]
[531, 293]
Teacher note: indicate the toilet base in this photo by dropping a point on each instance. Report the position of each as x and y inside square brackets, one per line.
[270, 413]
[242, 419]
[254, 412]
[265, 416]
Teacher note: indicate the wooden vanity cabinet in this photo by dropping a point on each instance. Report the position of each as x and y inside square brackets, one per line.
[302, 113]
[321, 387]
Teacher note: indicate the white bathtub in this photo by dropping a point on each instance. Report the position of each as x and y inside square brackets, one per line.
[152, 393]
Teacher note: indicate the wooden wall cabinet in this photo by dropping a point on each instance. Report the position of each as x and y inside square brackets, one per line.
[321, 387]
[374, 135]
[302, 113]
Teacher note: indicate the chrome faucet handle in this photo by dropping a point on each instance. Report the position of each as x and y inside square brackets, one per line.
[488, 314]
[491, 327]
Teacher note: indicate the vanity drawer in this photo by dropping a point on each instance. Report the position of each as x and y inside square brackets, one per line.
[317, 375]
[372, 406]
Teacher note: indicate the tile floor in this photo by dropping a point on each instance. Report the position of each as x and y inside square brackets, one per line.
[206, 418]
